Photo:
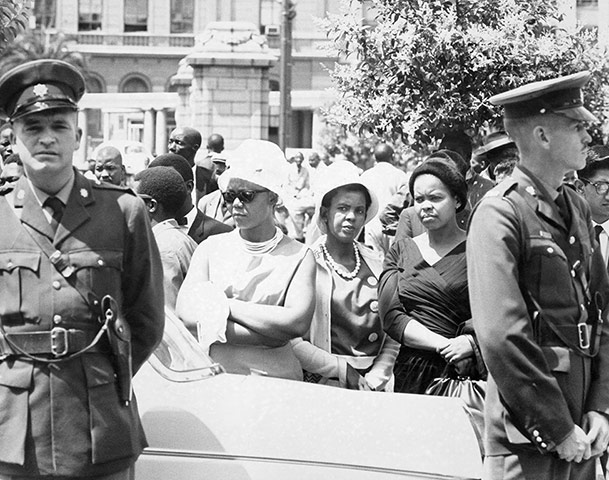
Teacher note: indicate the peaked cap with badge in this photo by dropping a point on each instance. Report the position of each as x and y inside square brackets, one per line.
[561, 96]
[40, 85]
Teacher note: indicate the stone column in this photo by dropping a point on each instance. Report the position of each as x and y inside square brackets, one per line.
[149, 130]
[160, 140]
[230, 82]
[182, 81]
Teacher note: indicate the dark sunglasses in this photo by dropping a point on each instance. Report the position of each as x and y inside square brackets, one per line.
[8, 180]
[244, 196]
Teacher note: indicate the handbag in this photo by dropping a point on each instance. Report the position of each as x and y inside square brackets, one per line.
[472, 392]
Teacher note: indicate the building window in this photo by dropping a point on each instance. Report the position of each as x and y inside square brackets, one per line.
[134, 85]
[182, 14]
[136, 15]
[587, 3]
[89, 15]
[44, 12]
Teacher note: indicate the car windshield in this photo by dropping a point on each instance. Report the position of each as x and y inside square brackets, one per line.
[179, 357]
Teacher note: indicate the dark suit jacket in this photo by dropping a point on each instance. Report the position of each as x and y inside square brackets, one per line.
[204, 226]
[526, 276]
[71, 411]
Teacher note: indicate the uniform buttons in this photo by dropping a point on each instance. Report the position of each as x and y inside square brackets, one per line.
[544, 445]
[373, 337]
[56, 285]
[374, 306]
[571, 240]
[550, 250]
[372, 281]
[100, 262]
[56, 319]
[539, 439]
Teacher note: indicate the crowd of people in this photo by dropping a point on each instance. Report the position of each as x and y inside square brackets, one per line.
[488, 264]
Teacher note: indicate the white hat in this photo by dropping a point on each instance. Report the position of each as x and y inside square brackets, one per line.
[257, 161]
[339, 174]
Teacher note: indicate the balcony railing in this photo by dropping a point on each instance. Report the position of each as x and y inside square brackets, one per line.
[133, 39]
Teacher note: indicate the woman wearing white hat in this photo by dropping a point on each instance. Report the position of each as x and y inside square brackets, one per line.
[266, 277]
[346, 345]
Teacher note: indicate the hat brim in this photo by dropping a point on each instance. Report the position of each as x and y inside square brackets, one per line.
[581, 114]
[370, 213]
[494, 145]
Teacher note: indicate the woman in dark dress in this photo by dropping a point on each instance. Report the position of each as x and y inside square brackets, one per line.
[423, 295]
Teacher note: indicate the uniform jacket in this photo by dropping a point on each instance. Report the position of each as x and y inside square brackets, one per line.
[204, 226]
[527, 273]
[65, 419]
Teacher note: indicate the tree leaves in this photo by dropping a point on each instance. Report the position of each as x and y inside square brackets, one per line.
[13, 20]
[430, 66]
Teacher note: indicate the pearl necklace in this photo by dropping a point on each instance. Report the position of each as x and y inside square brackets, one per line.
[260, 248]
[339, 269]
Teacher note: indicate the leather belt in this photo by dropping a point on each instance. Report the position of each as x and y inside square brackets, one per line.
[57, 342]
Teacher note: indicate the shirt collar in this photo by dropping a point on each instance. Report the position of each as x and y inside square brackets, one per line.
[190, 218]
[63, 194]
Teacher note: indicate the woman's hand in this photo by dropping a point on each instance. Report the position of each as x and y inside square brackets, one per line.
[456, 349]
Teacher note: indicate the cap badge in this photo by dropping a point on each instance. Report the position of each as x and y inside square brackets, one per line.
[41, 105]
[84, 193]
[531, 190]
[40, 90]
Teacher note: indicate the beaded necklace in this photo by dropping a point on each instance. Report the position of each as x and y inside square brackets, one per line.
[339, 269]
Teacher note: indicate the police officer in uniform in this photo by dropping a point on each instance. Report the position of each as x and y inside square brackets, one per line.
[538, 293]
[75, 256]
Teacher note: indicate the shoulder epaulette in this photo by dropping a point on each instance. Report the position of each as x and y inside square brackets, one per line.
[503, 188]
[110, 186]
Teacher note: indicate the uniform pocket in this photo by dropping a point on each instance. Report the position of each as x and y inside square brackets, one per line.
[19, 272]
[115, 429]
[100, 270]
[547, 260]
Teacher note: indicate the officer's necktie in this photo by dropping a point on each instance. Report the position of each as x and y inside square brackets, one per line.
[57, 207]
[598, 230]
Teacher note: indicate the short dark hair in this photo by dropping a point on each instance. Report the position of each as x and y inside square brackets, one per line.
[215, 143]
[173, 160]
[597, 159]
[448, 175]
[457, 141]
[451, 156]
[326, 201]
[165, 185]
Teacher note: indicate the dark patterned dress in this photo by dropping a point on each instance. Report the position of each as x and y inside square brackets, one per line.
[434, 295]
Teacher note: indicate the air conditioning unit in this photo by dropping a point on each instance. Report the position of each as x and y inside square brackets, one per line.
[272, 30]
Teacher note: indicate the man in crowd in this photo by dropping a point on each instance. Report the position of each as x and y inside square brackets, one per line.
[109, 166]
[205, 180]
[299, 198]
[78, 251]
[538, 293]
[496, 148]
[593, 183]
[191, 220]
[164, 192]
[385, 180]
[11, 171]
[5, 141]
